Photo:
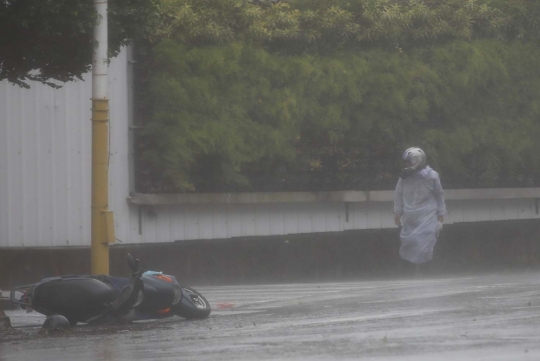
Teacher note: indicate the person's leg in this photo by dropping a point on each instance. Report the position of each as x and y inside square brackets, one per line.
[423, 269]
[417, 270]
[406, 268]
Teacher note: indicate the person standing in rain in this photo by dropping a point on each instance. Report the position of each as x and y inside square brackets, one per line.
[419, 207]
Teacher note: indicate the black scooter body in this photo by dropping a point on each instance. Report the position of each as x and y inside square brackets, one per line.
[165, 297]
[78, 298]
[158, 294]
[81, 298]
[88, 299]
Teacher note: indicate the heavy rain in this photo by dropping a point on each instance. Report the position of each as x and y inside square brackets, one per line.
[269, 180]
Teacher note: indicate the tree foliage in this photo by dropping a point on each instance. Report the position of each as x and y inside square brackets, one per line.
[326, 94]
[48, 40]
[342, 22]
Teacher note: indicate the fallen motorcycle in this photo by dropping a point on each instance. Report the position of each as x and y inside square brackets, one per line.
[97, 299]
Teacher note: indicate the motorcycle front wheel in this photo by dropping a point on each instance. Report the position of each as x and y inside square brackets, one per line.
[193, 305]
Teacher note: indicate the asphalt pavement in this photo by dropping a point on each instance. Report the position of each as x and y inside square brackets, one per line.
[477, 317]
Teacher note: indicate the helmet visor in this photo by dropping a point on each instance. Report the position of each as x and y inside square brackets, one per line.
[406, 163]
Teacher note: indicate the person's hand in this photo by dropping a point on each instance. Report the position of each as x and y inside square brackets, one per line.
[397, 220]
[440, 218]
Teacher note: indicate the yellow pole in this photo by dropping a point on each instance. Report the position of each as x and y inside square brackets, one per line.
[102, 231]
[100, 186]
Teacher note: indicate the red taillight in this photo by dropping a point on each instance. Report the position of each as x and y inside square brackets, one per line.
[165, 278]
[164, 311]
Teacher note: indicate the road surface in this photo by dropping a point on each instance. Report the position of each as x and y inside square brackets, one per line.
[478, 317]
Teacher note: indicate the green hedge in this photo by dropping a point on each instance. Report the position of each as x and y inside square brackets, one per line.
[236, 116]
[326, 94]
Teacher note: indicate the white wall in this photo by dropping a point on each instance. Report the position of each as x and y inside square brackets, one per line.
[45, 159]
[171, 223]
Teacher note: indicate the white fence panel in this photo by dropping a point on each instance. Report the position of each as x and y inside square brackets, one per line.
[45, 161]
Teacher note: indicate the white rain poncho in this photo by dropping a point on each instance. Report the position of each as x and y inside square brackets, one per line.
[419, 198]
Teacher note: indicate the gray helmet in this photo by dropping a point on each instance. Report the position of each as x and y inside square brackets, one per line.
[414, 159]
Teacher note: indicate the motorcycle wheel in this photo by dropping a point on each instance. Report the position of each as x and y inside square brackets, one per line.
[193, 305]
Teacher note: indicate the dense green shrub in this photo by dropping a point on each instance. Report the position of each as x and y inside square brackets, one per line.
[310, 106]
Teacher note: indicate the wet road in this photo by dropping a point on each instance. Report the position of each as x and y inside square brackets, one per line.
[488, 317]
